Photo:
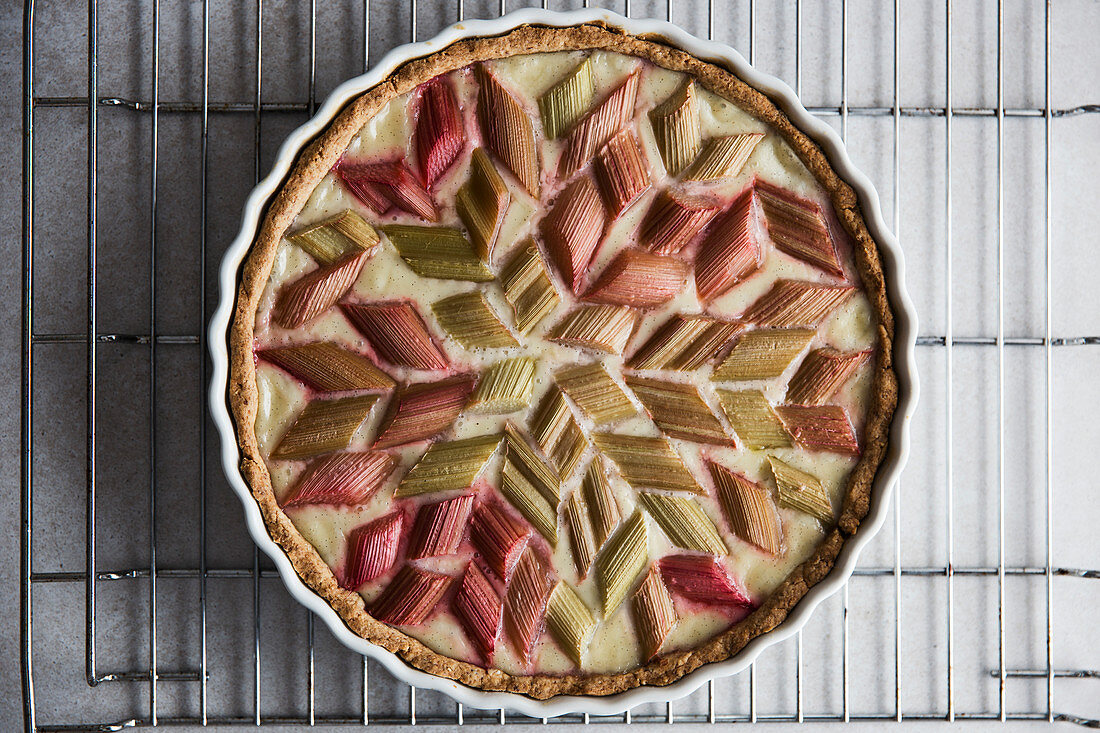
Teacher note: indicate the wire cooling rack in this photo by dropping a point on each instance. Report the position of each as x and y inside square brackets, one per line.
[146, 124]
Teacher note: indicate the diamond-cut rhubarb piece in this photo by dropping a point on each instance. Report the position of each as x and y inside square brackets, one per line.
[722, 157]
[505, 387]
[639, 279]
[393, 180]
[367, 192]
[324, 426]
[678, 410]
[753, 419]
[573, 229]
[448, 466]
[622, 561]
[729, 252]
[482, 203]
[439, 136]
[507, 130]
[580, 534]
[820, 428]
[598, 396]
[676, 127]
[700, 578]
[412, 596]
[442, 253]
[327, 367]
[603, 507]
[471, 321]
[654, 613]
[478, 607]
[762, 354]
[798, 227]
[372, 548]
[343, 234]
[796, 303]
[622, 172]
[341, 479]
[424, 410]
[525, 603]
[601, 327]
[439, 527]
[528, 287]
[557, 433]
[801, 491]
[644, 462]
[591, 133]
[570, 621]
[822, 373]
[749, 509]
[684, 343]
[314, 293]
[499, 537]
[674, 220]
[518, 452]
[397, 333]
[522, 494]
[565, 102]
[684, 522]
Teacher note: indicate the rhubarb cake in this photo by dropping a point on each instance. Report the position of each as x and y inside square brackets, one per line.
[561, 363]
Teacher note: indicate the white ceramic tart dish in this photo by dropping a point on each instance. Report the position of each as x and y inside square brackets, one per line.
[563, 362]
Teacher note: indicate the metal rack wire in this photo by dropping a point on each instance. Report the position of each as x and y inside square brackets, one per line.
[148, 593]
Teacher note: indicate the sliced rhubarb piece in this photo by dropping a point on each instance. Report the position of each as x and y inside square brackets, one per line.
[674, 220]
[684, 343]
[603, 507]
[412, 596]
[722, 157]
[341, 479]
[394, 180]
[749, 509]
[639, 279]
[372, 548]
[439, 135]
[471, 321]
[798, 227]
[822, 373]
[762, 354]
[529, 502]
[343, 234]
[676, 127]
[601, 327]
[598, 396]
[591, 133]
[518, 452]
[573, 228]
[570, 621]
[654, 613]
[367, 192]
[796, 303]
[620, 564]
[439, 527]
[644, 462]
[424, 410]
[397, 333]
[507, 130]
[622, 172]
[324, 426]
[678, 410]
[557, 433]
[580, 534]
[499, 537]
[482, 203]
[479, 608]
[700, 578]
[327, 367]
[525, 603]
[820, 428]
[684, 522]
[565, 102]
[528, 287]
[442, 253]
[729, 252]
[448, 466]
[314, 293]
[505, 387]
[801, 491]
[753, 419]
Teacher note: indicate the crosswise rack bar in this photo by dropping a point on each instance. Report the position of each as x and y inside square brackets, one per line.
[152, 581]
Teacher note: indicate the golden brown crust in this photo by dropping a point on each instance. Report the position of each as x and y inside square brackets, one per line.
[311, 166]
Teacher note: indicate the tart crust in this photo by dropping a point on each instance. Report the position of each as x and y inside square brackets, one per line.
[312, 165]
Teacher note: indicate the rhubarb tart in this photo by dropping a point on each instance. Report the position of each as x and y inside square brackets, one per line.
[561, 363]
